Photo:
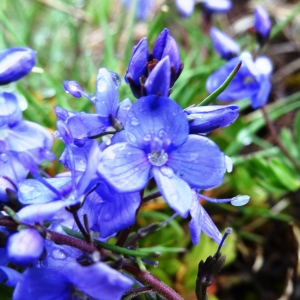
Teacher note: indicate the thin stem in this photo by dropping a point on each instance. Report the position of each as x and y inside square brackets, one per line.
[274, 134]
[151, 197]
[150, 279]
[101, 134]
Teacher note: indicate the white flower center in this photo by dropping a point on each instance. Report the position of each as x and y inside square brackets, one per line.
[158, 158]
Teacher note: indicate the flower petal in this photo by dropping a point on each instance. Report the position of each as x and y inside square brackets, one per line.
[124, 167]
[156, 118]
[199, 162]
[11, 276]
[175, 191]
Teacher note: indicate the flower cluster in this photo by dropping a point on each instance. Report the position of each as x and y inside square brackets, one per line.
[154, 138]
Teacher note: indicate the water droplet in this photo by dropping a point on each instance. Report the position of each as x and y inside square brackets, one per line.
[147, 137]
[58, 254]
[192, 208]
[156, 263]
[96, 256]
[158, 158]
[240, 200]
[116, 78]
[134, 121]
[131, 138]
[162, 134]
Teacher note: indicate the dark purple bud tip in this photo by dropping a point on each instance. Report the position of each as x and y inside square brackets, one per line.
[72, 87]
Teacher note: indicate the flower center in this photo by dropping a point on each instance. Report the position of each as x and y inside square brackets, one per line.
[158, 158]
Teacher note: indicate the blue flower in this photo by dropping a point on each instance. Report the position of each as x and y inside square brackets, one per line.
[155, 73]
[159, 145]
[262, 24]
[15, 63]
[252, 80]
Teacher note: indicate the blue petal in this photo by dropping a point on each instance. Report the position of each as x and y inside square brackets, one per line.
[175, 191]
[199, 162]
[123, 109]
[3, 257]
[98, 280]
[107, 97]
[158, 82]
[155, 119]
[73, 88]
[208, 118]
[11, 276]
[138, 63]
[42, 212]
[116, 211]
[44, 283]
[32, 191]
[262, 96]
[217, 6]
[85, 125]
[6, 185]
[15, 63]
[124, 167]
[10, 112]
[209, 227]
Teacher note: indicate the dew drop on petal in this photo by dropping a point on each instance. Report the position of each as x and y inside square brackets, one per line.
[147, 137]
[4, 157]
[131, 138]
[240, 200]
[167, 172]
[158, 158]
[58, 254]
[116, 78]
[162, 134]
[101, 85]
[107, 217]
[134, 121]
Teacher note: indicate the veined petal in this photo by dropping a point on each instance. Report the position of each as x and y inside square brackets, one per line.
[175, 191]
[157, 119]
[199, 162]
[98, 280]
[32, 191]
[116, 210]
[107, 97]
[125, 167]
[261, 97]
[123, 109]
[209, 227]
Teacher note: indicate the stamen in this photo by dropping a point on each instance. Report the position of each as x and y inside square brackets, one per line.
[228, 231]
[150, 262]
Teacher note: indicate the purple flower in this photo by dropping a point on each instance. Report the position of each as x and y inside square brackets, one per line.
[15, 63]
[252, 80]
[204, 119]
[155, 73]
[262, 24]
[224, 44]
[72, 87]
[25, 247]
[159, 145]
[143, 7]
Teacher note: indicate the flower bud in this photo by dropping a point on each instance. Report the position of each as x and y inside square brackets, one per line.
[15, 63]
[262, 24]
[10, 112]
[72, 87]
[25, 247]
[224, 44]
